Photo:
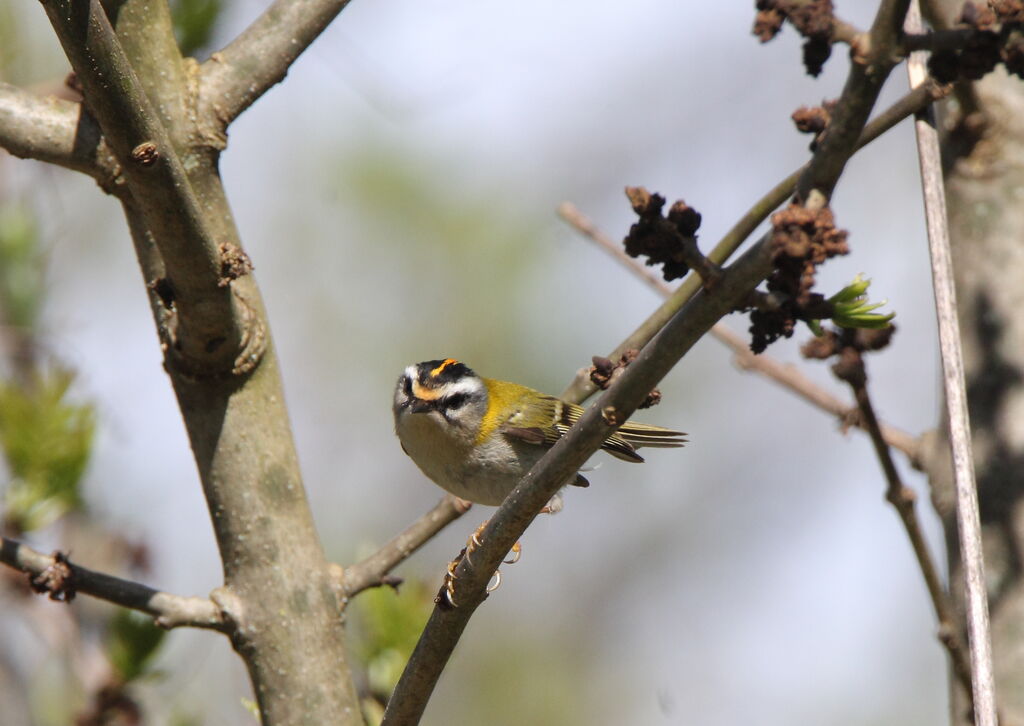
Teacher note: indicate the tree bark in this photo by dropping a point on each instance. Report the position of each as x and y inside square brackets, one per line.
[279, 601]
[984, 157]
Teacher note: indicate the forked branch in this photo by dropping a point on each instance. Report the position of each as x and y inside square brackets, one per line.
[238, 74]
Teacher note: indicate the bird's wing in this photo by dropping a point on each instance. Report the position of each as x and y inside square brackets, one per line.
[542, 420]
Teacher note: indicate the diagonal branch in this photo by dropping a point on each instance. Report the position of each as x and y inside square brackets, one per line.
[787, 376]
[559, 465]
[669, 343]
[903, 498]
[968, 517]
[919, 98]
[863, 84]
[51, 129]
[238, 74]
[371, 571]
[61, 578]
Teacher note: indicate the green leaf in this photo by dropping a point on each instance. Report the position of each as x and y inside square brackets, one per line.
[385, 627]
[47, 442]
[194, 22]
[852, 309]
[21, 268]
[133, 642]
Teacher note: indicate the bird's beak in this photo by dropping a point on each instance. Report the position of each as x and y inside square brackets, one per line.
[420, 406]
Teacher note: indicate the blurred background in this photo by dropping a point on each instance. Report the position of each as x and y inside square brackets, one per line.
[397, 195]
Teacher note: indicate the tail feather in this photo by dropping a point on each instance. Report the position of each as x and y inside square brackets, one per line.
[639, 434]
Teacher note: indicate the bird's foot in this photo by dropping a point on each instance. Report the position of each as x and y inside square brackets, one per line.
[475, 540]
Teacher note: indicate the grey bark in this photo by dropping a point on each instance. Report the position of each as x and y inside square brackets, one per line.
[985, 188]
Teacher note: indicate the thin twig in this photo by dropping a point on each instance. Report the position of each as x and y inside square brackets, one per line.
[902, 498]
[788, 376]
[168, 611]
[370, 572]
[917, 99]
[968, 518]
[237, 75]
[952, 39]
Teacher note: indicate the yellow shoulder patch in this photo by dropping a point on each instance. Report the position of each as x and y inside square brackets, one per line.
[503, 400]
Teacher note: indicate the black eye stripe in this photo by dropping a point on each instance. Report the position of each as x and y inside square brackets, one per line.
[455, 400]
[407, 386]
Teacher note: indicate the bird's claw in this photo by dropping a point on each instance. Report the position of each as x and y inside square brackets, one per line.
[475, 541]
[517, 551]
[448, 586]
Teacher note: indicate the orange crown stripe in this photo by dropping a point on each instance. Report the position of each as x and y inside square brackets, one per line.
[447, 362]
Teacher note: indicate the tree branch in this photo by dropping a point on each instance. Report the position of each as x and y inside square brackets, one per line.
[237, 75]
[902, 498]
[212, 325]
[968, 518]
[62, 578]
[788, 376]
[921, 97]
[863, 84]
[278, 589]
[950, 39]
[56, 131]
[665, 348]
[370, 572]
[559, 465]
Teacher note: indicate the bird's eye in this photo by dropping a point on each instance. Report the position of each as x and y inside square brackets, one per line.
[456, 400]
[407, 386]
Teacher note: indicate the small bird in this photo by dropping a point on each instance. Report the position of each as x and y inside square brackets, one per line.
[476, 437]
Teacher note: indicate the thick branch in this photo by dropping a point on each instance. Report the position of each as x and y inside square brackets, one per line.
[371, 571]
[211, 324]
[278, 590]
[168, 611]
[54, 130]
[559, 465]
[237, 75]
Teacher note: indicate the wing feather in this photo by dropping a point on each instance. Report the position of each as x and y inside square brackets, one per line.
[541, 420]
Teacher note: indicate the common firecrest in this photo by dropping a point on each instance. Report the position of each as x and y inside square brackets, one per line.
[476, 437]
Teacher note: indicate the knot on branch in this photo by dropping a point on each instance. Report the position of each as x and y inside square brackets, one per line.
[669, 241]
[145, 154]
[249, 351]
[813, 19]
[57, 579]
[233, 263]
[814, 120]
[801, 239]
[604, 372]
[997, 36]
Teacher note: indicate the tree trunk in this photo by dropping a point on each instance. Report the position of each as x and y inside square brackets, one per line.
[984, 158]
